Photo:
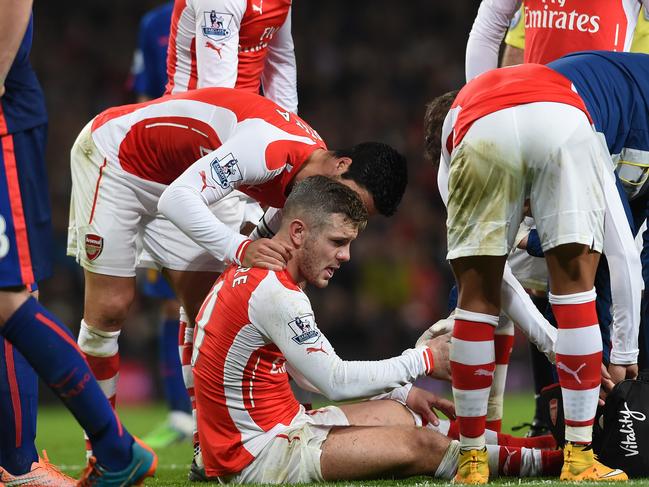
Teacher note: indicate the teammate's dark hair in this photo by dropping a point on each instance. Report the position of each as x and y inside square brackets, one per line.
[317, 197]
[381, 170]
[436, 112]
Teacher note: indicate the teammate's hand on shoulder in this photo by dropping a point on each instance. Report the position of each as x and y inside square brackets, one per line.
[424, 402]
[267, 254]
[620, 372]
[440, 346]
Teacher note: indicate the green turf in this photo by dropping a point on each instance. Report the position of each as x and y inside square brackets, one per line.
[62, 437]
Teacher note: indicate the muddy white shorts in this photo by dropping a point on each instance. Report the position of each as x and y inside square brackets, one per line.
[547, 152]
[294, 455]
[530, 271]
[114, 219]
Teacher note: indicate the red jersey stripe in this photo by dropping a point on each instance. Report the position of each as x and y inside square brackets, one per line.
[94, 199]
[193, 76]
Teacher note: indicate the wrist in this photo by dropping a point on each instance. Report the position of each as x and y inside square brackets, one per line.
[428, 358]
[240, 254]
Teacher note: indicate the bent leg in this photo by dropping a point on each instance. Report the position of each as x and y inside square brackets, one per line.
[579, 345]
[472, 345]
[190, 287]
[384, 412]
[107, 301]
[362, 452]
[62, 367]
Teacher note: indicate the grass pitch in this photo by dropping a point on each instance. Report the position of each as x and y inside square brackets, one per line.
[60, 435]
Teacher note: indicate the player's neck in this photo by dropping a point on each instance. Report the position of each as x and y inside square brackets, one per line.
[293, 270]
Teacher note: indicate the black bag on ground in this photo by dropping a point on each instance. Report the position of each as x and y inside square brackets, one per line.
[621, 430]
[621, 433]
[551, 412]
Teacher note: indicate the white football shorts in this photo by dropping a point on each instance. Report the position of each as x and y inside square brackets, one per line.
[294, 455]
[547, 152]
[115, 225]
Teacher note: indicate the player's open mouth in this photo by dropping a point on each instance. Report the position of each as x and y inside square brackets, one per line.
[330, 271]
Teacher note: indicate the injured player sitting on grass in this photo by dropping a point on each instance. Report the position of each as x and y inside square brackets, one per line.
[257, 326]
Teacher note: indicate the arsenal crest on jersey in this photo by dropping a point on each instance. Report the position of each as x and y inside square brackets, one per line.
[216, 25]
[304, 329]
[94, 245]
[226, 171]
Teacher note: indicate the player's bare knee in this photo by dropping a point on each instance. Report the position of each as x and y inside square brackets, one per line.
[109, 312]
[426, 447]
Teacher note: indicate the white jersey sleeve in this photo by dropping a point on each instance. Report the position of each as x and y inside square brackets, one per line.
[217, 46]
[240, 160]
[625, 270]
[445, 157]
[487, 34]
[279, 78]
[287, 321]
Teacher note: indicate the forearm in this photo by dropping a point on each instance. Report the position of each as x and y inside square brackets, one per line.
[279, 78]
[343, 380]
[268, 224]
[186, 209]
[625, 270]
[520, 308]
[486, 35]
[13, 23]
[512, 56]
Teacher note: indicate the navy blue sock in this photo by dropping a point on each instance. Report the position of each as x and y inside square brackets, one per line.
[53, 352]
[18, 408]
[170, 369]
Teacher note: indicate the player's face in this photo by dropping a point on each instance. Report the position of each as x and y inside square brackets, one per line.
[325, 249]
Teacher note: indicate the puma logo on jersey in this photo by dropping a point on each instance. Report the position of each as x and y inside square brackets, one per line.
[310, 350]
[258, 8]
[209, 45]
[568, 370]
[205, 184]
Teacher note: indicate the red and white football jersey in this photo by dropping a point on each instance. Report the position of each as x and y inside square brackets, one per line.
[255, 327]
[207, 143]
[243, 44]
[553, 28]
[505, 88]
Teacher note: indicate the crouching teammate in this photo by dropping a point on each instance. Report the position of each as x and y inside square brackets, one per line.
[487, 178]
[256, 327]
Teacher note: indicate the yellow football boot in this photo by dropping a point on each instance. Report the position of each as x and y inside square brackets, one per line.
[580, 465]
[473, 467]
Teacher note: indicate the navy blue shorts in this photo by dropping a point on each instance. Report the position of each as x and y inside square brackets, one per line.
[25, 217]
[156, 286]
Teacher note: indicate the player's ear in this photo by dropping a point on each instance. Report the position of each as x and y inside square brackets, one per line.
[297, 232]
[342, 165]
